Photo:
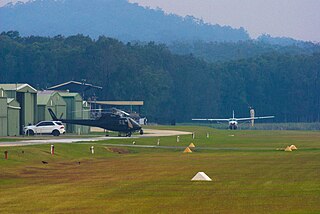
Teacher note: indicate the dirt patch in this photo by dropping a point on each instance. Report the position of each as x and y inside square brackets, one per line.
[118, 150]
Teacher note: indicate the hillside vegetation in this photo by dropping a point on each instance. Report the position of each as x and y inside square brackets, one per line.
[174, 87]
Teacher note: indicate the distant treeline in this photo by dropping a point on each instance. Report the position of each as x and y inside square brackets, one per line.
[174, 87]
[226, 51]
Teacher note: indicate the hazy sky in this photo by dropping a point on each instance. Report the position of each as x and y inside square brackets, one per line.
[299, 19]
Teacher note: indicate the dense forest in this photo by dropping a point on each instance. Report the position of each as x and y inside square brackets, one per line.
[174, 87]
[226, 51]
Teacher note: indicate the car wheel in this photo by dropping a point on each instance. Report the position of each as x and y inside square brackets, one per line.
[55, 133]
[29, 132]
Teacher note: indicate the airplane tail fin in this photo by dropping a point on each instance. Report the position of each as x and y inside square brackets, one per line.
[54, 117]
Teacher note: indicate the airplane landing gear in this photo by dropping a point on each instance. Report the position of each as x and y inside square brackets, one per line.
[233, 127]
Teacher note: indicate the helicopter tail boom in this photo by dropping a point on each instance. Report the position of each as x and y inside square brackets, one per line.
[54, 117]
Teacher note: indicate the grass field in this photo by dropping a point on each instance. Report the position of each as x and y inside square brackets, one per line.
[256, 178]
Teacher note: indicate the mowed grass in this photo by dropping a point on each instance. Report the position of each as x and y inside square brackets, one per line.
[255, 179]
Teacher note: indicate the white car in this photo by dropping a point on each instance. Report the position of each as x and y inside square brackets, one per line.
[45, 127]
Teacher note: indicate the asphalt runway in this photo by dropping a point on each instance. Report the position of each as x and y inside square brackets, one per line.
[61, 139]
[148, 133]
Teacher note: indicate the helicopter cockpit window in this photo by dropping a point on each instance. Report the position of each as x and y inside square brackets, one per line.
[129, 123]
[134, 122]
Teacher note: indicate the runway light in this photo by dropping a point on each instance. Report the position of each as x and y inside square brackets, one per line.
[92, 149]
[52, 150]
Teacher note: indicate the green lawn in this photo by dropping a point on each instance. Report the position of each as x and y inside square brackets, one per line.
[255, 179]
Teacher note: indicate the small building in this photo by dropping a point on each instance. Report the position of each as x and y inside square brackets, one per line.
[53, 100]
[26, 96]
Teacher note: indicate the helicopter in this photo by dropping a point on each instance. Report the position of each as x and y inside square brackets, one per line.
[114, 121]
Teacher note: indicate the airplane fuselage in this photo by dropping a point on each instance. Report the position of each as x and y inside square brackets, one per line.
[233, 124]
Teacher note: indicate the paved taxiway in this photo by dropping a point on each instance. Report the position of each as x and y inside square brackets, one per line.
[61, 139]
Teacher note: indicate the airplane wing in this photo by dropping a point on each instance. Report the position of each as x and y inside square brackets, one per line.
[255, 118]
[217, 120]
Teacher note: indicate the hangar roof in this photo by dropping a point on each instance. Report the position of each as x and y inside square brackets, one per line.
[44, 97]
[19, 87]
[12, 103]
[2, 93]
[119, 103]
[74, 86]
[67, 94]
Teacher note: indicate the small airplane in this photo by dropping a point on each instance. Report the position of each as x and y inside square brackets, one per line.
[233, 122]
[113, 121]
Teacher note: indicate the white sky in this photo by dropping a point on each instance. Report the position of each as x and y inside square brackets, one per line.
[299, 19]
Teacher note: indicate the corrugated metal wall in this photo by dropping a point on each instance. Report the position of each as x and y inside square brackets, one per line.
[78, 113]
[29, 107]
[41, 113]
[3, 117]
[69, 111]
[13, 118]
[85, 115]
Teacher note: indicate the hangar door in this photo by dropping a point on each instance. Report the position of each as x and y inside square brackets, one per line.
[3, 117]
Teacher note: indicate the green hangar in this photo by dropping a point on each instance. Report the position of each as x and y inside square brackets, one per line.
[26, 96]
[53, 100]
[21, 105]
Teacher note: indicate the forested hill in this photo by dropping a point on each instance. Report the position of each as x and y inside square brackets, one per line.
[226, 51]
[112, 18]
[172, 86]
